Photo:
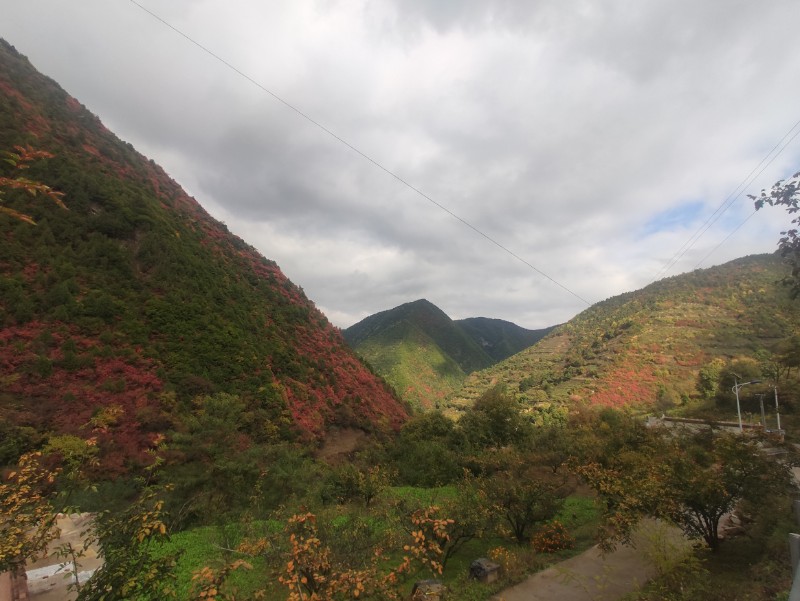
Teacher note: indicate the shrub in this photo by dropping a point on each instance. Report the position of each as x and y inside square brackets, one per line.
[552, 537]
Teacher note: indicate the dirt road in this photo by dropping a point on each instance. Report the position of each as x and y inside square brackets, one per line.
[592, 576]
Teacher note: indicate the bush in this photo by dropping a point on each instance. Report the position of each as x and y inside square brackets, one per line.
[552, 537]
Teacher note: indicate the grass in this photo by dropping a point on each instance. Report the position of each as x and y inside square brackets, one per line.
[580, 515]
[214, 545]
[425, 496]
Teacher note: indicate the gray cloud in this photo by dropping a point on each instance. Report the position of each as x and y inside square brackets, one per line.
[574, 134]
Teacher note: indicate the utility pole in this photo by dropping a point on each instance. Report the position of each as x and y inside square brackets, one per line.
[735, 389]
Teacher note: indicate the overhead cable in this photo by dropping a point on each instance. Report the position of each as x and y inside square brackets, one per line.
[365, 156]
[728, 202]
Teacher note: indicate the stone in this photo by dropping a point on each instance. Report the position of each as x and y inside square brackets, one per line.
[484, 570]
[428, 590]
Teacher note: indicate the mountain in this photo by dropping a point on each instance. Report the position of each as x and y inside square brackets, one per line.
[117, 313]
[499, 338]
[426, 355]
[433, 322]
[647, 348]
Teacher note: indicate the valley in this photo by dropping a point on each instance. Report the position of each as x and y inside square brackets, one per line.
[158, 372]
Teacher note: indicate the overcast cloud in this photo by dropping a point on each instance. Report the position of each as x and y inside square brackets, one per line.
[591, 138]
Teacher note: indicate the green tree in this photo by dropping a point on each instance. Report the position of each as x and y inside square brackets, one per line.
[708, 378]
[350, 483]
[691, 480]
[620, 458]
[129, 543]
[426, 452]
[495, 421]
[701, 485]
[212, 460]
[739, 370]
[788, 354]
[523, 495]
[471, 515]
[552, 446]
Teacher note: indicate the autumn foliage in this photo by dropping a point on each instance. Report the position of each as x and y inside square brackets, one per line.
[137, 298]
[27, 517]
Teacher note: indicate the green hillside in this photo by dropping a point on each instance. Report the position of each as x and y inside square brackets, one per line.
[426, 356]
[419, 350]
[499, 338]
[411, 361]
[647, 348]
[429, 318]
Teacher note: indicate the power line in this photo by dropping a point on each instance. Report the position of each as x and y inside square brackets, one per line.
[365, 156]
[727, 203]
[724, 240]
[738, 227]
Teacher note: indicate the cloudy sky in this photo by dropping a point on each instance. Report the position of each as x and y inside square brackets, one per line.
[590, 138]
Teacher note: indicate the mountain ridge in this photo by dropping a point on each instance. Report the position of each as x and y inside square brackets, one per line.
[647, 347]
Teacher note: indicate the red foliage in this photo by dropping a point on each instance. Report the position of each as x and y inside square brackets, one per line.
[65, 400]
[337, 386]
[626, 385]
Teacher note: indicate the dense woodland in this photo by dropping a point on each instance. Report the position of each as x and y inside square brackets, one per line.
[157, 371]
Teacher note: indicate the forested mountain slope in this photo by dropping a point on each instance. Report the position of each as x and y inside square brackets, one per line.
[499, 338]
[118, 313]
[426, 355]
[648, 347]
[430, 319]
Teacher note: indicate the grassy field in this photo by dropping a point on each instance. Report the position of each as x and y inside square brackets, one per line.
[214, 545]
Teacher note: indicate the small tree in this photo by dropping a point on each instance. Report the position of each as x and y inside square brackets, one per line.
[626, 478]
[690, 481]
[351, 483]
[700, 486]
[495, 421]
[523, 495]
[708, 378]
[27, 515]
[132, 568]
[471, 516]
[311, 572]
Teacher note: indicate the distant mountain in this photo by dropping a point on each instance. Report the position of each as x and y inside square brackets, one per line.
[498, 338]
[117, 313]
[453, 341]
[426, 355]
[647, 347]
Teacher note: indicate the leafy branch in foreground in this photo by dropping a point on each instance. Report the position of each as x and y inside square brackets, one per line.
[786, 193]
[27, 516]
[21, 160]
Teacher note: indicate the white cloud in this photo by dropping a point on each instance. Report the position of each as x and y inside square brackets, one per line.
[568, 132]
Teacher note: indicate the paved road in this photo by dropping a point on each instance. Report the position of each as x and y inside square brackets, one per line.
[592, 576]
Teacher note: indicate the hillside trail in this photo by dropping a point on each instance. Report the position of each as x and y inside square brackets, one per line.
[594, 576]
